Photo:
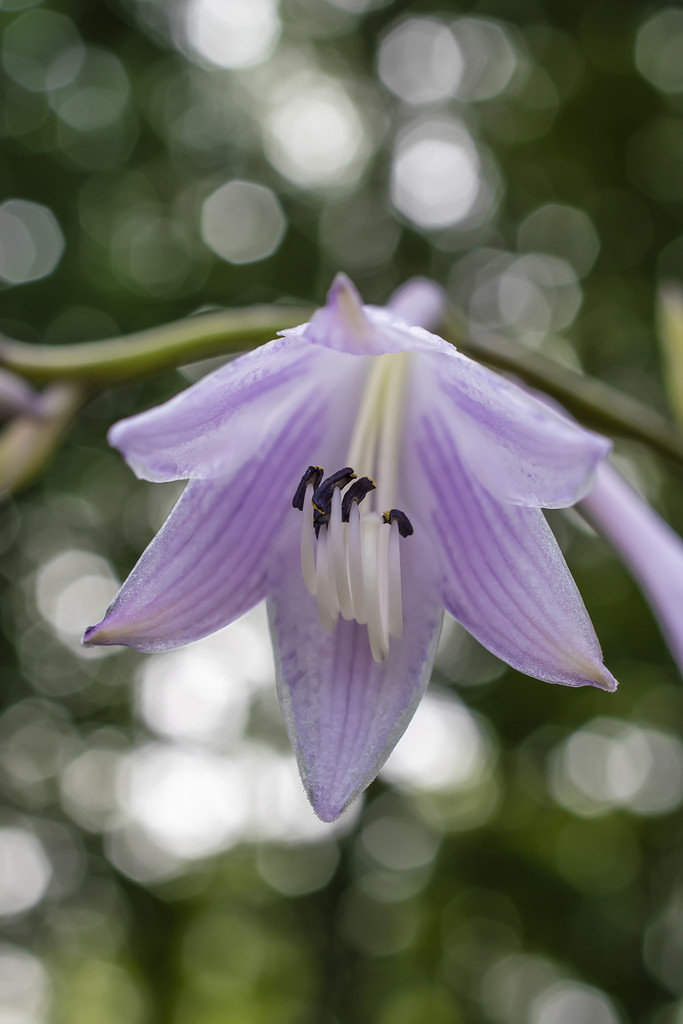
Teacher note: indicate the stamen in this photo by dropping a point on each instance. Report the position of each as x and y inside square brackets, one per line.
[394, 515]
[356, 566]
[307, 543]
[395, 598]
[328, 606]
[313, 475]
[320, 519]
[322, 496]
[383, 565]
[377, 632]
[356, 493]
[336, 551]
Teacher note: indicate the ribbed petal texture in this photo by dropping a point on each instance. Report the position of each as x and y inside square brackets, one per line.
[214, 426]
[521, 449]
[344, 711]
[209, 562]
[504, 577]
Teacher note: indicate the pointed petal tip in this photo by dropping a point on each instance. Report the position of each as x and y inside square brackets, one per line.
[579, 670]
[328, 807]
[343, 285]
[598, 676]
[607, 681]
[108, 634]
[93, 636]
[344, 297]
[104, 634]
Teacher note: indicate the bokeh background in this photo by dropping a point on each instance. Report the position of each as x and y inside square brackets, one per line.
[520, 858]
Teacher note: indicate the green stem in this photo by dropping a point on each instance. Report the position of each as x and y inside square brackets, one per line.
[160, 348]
[226, 332]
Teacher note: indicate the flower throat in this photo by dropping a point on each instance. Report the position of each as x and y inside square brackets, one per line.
[350, 550]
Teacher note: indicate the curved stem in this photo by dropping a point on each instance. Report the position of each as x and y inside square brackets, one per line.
[159, 348]
[225, 332]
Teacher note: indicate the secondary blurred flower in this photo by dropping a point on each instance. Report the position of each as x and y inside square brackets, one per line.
[648, 546]
[435, 473]
[37, 422]
[17, 397]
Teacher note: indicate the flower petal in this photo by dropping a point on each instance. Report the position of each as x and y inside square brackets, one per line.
[523, 450]
[344, 711]
[209, 563]
[419, 302]
[648, 546]
[344, 324]
[504, 577]
[212, 427]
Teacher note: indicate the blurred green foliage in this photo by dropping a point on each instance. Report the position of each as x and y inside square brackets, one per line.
[157, 861]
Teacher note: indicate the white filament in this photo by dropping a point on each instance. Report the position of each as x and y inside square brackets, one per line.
[378, 633]
[355, 567]
[338, 553]
[328, 606]
[308, 545]
[395, 600]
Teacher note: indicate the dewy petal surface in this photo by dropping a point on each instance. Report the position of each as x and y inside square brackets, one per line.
[344, 711]
[504, 577]
[521, 449]
[648, 546]
[212, 427]
[209, 562]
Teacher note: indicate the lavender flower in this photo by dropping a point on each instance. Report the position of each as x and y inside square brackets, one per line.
[418, 479]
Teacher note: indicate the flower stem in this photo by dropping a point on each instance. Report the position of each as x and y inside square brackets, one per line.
[224, 332]
[160, 348]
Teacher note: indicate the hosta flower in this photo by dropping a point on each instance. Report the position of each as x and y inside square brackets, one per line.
[648, 546]
[362, 475]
